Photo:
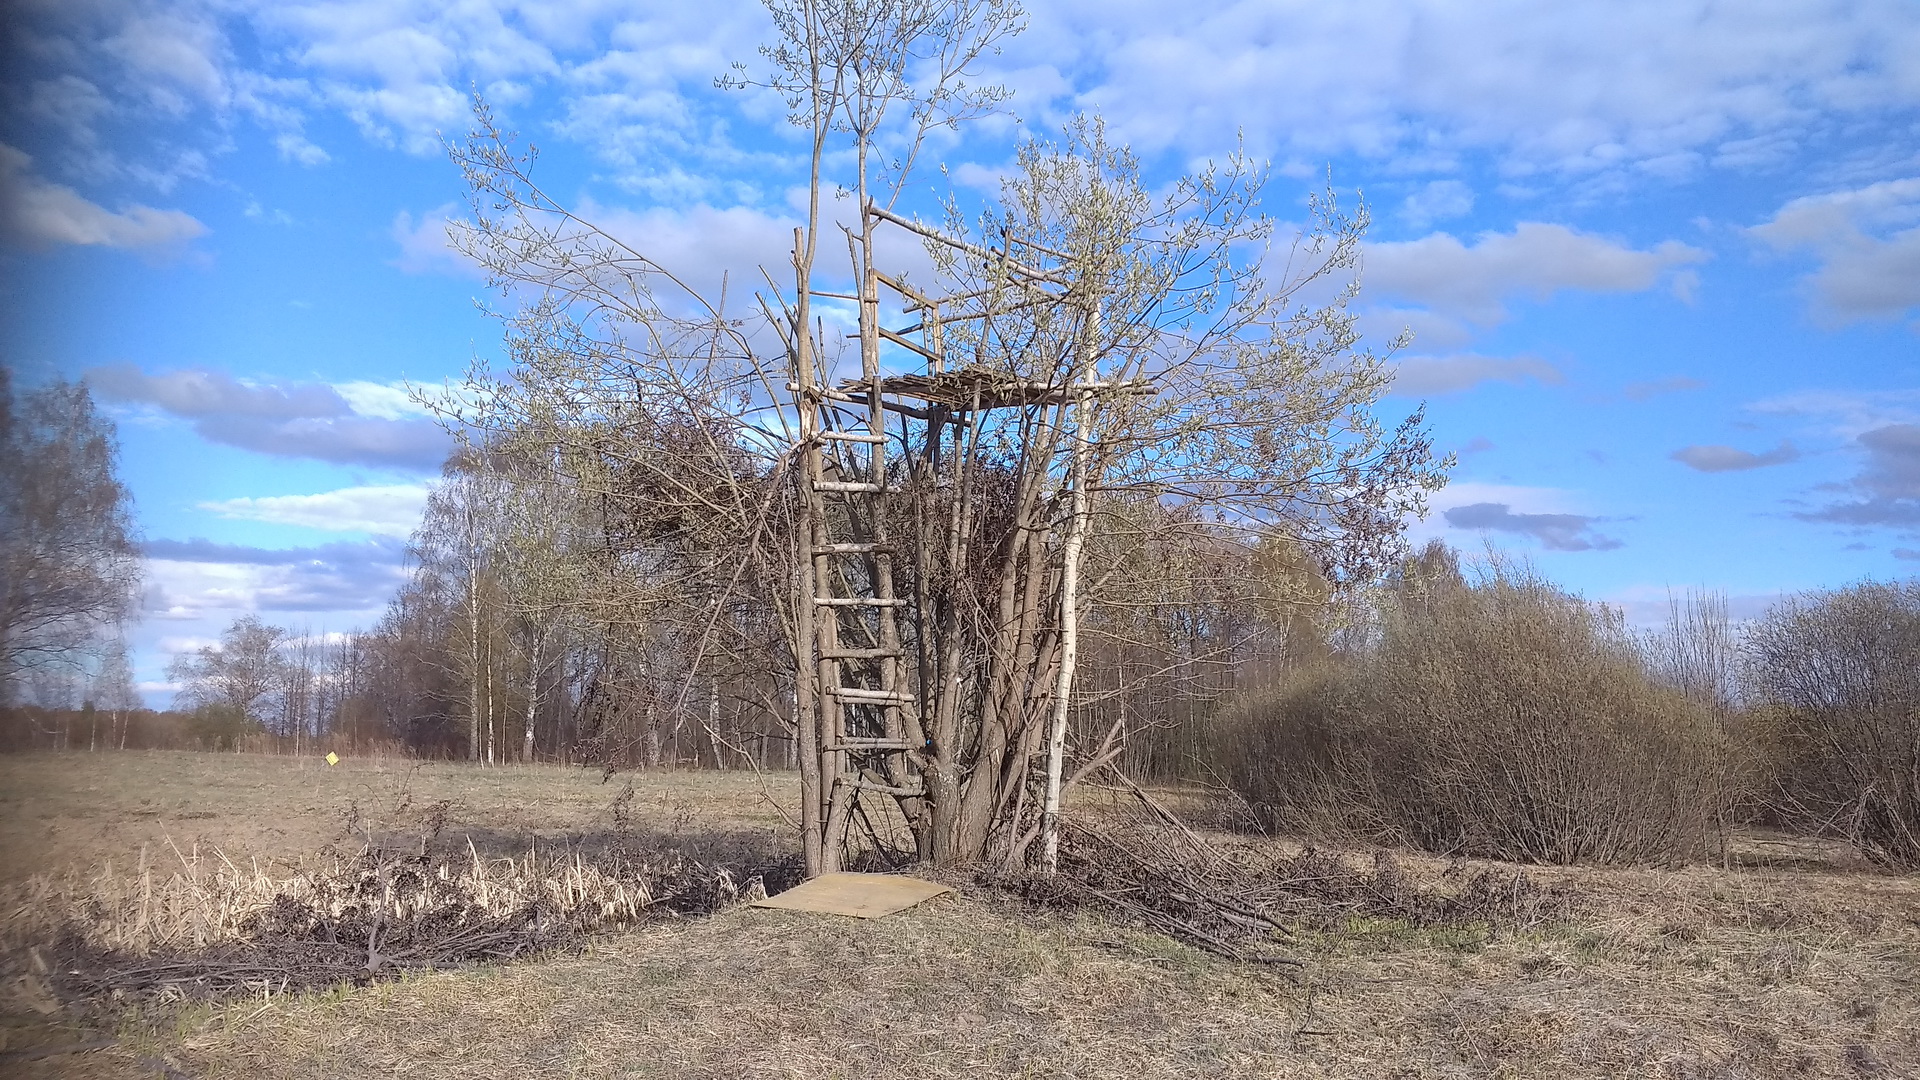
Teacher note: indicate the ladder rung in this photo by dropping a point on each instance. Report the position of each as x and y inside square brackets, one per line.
[872, 744]
[857, 601]
[832, 395]
[853, 436]
[888, 789]
[859, 654]
[861, 693]
[852, 549]
[848, 485]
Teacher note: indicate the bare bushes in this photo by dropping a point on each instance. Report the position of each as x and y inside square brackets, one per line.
[1840, 672]
[214, 925]
[1503, 719]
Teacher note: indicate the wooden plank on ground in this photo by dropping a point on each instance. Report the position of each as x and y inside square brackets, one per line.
[863, 896]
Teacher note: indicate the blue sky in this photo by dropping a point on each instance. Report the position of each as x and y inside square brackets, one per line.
[1662, 260]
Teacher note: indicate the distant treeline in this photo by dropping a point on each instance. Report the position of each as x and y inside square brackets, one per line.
[33, 727]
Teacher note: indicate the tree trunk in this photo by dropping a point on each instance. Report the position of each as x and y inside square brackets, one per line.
[473, 658]
[805, 672]
[1069, 634]
[533, 702]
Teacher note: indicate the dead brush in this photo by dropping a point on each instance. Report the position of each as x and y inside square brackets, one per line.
[1249, 902]
[209, 924]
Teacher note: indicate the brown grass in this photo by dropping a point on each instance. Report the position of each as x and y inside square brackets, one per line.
[62, 812]
[1795, 968]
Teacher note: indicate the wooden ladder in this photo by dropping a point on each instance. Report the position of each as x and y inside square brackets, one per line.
[862, 693]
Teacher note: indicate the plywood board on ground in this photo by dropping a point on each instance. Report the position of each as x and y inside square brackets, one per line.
[863, 896]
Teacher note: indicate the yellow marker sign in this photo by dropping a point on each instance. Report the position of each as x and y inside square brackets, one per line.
[333, 758]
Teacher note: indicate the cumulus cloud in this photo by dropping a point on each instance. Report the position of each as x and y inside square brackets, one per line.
[1475, 281]
[38, 214]
[1893, 464]
[1556, 532]
[1428, 376]
[1848, 413]
[1887, 489]
[1624, 88]
[1634, 88]
[1438, 200]
[707, 246]
[702, 243]
[1867, 242]
[202, 550]
[294, 147]
[354, 424]
[197, 393]
[387, 401]
[178, 60]
[1733, 459]
[383, 509]
[199, 580]
[418, 445]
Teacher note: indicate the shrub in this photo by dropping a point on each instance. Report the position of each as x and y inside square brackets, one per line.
[1503, 719]
[220, 726]
[1840, 672]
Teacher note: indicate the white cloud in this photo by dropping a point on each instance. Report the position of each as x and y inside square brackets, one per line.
[1572, 88]
[1868, 244]
[1649, 606]
[192, 579]
[1384, 322]
[1427, 376]
[180, 644]
[35, 213]
[1437, 201]
[70, 105]
[1846, 414]
[1474, 282]
[1641, 87]
[384, 401]
[176, 58]
[295, 147]
[700, 244]
[289, 419]
[383, 510]
[424, 248]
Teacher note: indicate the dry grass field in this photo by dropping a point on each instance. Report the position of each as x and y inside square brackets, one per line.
[1791, 963]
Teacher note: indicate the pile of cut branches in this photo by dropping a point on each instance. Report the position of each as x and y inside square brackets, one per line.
[1247, 902]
